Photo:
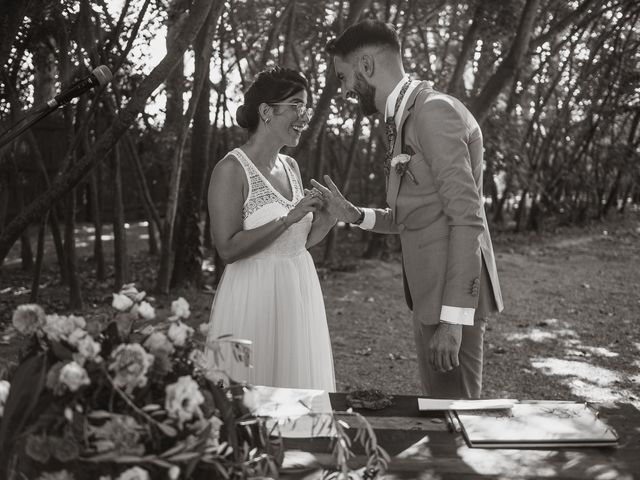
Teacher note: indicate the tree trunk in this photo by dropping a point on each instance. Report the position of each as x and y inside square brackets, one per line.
[288, 53]
[37, 271]
[119, 233]
[521, 212]
[75, 295]
[143, 188]
[4, 198]
[187, 268]
[108, 139]
[167, 254]
[507, 68]
[26, 255]
[456, 84]
[96, 216]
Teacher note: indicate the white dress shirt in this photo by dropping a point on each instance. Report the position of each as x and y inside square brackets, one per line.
[448, 314]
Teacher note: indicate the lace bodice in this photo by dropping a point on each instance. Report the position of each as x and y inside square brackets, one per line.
[264, 204]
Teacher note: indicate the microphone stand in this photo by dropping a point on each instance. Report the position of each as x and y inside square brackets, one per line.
[23, 124]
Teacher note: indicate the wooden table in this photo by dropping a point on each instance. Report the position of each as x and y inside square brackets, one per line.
[423, 447]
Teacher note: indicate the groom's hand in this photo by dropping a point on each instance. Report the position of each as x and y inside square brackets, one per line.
[445, 346]
[336, 204]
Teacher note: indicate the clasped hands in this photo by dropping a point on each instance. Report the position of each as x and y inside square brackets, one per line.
[323, 201]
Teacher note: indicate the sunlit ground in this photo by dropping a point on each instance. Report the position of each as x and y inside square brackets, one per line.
[577, 369]
[137, 237]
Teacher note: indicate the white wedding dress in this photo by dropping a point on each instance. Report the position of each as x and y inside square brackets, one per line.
[273, 298]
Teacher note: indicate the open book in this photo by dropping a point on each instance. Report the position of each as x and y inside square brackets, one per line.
[535, 425]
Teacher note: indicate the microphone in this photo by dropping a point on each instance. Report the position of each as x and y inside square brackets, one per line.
[99, 76]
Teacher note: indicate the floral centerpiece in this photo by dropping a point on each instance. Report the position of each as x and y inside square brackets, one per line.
[98, 398]
[95, 398]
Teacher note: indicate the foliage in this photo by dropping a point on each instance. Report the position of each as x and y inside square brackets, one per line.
[108, 395]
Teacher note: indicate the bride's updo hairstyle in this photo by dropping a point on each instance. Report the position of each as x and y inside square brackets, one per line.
[270, 86]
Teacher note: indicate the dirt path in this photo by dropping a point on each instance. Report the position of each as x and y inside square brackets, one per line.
[570, 330]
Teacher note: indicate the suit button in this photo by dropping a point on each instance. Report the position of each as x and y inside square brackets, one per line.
[401, 227]
[475, 287]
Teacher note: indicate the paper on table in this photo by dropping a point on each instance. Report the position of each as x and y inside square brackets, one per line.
[541, 424]
[297, 412]
[448, 404]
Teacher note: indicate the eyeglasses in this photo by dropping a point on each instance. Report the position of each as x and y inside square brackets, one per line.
[300, 108]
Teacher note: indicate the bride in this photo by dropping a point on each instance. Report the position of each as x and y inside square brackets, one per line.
[262, 224]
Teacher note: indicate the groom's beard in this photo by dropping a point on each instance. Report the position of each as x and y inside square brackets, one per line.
[366, 94]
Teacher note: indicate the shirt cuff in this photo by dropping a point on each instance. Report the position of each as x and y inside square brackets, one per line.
[369, 219]
[457, 315]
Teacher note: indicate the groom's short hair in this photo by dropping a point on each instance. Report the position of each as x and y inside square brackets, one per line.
[366, 33]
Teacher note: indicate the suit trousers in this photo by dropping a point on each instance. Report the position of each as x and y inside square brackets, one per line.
[464, 381]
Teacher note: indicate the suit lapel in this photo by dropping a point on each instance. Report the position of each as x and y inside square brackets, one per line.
[394, 179]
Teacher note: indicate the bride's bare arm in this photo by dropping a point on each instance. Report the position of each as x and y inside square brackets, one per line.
[227, 191]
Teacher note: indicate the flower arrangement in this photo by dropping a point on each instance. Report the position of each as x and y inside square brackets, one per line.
[98, 398]
[94, 398]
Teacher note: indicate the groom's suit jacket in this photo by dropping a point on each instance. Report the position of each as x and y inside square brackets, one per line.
[447, 253]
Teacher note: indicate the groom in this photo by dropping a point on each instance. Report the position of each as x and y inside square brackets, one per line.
[434, 197]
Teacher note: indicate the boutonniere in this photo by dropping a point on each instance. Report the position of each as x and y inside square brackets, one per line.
[401, 164]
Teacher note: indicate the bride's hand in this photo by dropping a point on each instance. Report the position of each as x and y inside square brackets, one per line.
[323, 212]
[310, 203]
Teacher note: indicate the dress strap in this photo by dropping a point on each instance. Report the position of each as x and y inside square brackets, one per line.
[248, 168]
[296, 188]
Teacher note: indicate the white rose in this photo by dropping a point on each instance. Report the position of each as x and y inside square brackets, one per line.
[28, 318]
[130, 364]
[402, 158]
[183, 399]
[89, 348]
[158, 342]
[146, 311]
[4, 394]
[121, 302]
[59, 327]
[73, 376]
[134, 473]
[179, 333]
[180, 308]
[75, 337]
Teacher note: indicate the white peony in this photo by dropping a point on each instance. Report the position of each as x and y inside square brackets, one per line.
[179, 309]
[121, 302]
[60, 327]
[29, 318]
[130, 366]
[183, 399]
[158, 343]
[179, 333]
[146, 311]
[73, 376]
